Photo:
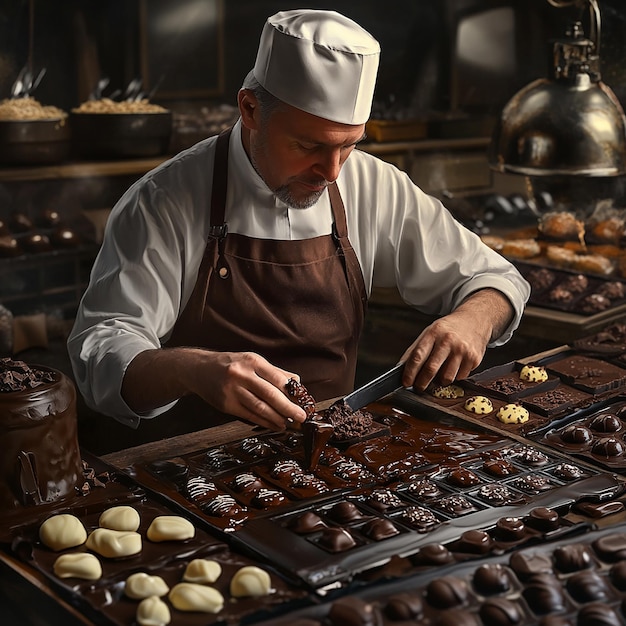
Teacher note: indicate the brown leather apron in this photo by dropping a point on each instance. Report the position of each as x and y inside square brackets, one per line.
[300, 304]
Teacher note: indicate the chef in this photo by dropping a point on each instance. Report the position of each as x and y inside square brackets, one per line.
[249, 258]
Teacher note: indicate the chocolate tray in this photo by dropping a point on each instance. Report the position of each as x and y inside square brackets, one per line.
[608, 342]
[504, 382]
[343, 531]
[330, 553]
[593, 284]
[595, 435]
[103, 601]
[575, 579]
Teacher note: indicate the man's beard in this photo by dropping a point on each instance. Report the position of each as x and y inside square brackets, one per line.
[283, 192]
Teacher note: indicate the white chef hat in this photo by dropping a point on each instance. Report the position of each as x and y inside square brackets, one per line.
[320, 62]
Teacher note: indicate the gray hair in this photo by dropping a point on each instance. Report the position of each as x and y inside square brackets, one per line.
[267, 102]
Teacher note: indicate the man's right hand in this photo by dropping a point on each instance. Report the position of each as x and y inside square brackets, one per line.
[243, 384]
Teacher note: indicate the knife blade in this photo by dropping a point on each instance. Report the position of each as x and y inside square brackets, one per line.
[375, 389]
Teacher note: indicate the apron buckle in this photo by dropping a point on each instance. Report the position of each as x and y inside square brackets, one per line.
[218, 232]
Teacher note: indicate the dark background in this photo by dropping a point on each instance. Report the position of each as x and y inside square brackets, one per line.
[79, 40]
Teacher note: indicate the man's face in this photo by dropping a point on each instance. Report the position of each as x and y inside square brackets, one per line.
[298, 154]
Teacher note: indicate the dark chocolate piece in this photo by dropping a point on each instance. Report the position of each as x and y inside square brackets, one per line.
[605, 423]
[544, 594]
[344, 513]
[501, 612]
[352, 611]
[527, 564]
[510, 528]
[336, 539]
[447, 592]
[491, 578]
[572, 558]
[379, 529]
[611, 547]
[404, 607]
[433, 554]
[307, 522]
[543, 519]
[588, 586]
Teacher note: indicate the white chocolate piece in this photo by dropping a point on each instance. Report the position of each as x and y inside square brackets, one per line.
[481, 405]
[448, 392]
[203, 571]
[120, 518]
[250, 581]
[533, 374]
[194, 597]
[114, 544]
[153, 611]
[78, 565]
[513, 414]
[63, 531]
[142, 585]
[170, 528]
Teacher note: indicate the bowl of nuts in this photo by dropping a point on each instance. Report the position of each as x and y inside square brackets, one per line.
[31, 133]
[108, 129]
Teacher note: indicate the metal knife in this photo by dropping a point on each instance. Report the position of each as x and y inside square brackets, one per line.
[375, 389]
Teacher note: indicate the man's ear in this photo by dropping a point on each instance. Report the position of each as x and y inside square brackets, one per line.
[248, 108]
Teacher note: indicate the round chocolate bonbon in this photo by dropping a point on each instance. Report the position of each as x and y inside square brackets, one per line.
[567, 471]
[463, 477]
[600, 614]
[379, 529]
[433, 554]
[510, 528]
[605, 423]
[544, 594]
[576, 434]
[404, 607]
[588, 586]
[608, 447]
[336, 539]
[424, 489]
[352, 611]
[307, 522]
[475, 542]
[447, 592]
[572, 558]
[501, 612]
[344, 513]
[542, 518]
[527, 564]
[491, 578]
[611, 547]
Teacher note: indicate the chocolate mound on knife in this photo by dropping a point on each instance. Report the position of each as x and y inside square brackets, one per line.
[338, 422]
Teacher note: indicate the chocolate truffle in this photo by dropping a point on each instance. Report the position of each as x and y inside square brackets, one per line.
[611, 547]
[617, 574]
[384, 499]
[268, 498]
[404, 607]
[530, 456]
[352, 611]
[497, 494]
[544, 594]
[588, 586]
[419, 518]
[64, 238]
[605, 423]
[501, 612]
[246, 483]
[9, 247]
[613, 290]
[424, 489]
[336, 539]
[576, 434]
[344, 513]
[567, 471]
[572, 558]
[463, 477]
[456, 505]
[533, 483]
[433, 554]
[560, 295]
[594, 303]
[499, 468]
[575, 284]
[608, 447]
[49, 218]
[474, 542]
[527, 564]
[447, 592]
[491, 578]
[219, 459]
[543, 519]
[36, 243]
[223, 505]
[540, 279]
[307, 522]
[379, 529]
[199, 489]
[510, 528]
[256, 448]
[596, 613]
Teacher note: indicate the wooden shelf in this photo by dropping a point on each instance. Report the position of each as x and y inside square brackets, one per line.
[130, 167]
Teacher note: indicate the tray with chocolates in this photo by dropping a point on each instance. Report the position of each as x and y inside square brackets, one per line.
[109, 550]
[575, 579]
[429, 479]
[571, 291]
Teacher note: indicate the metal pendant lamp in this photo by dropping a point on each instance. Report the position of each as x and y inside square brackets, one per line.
[569, 124]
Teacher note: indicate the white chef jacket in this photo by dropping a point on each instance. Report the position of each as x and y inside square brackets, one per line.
[157, 232]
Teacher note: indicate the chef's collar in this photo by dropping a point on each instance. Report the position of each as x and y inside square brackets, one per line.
[320, 62]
